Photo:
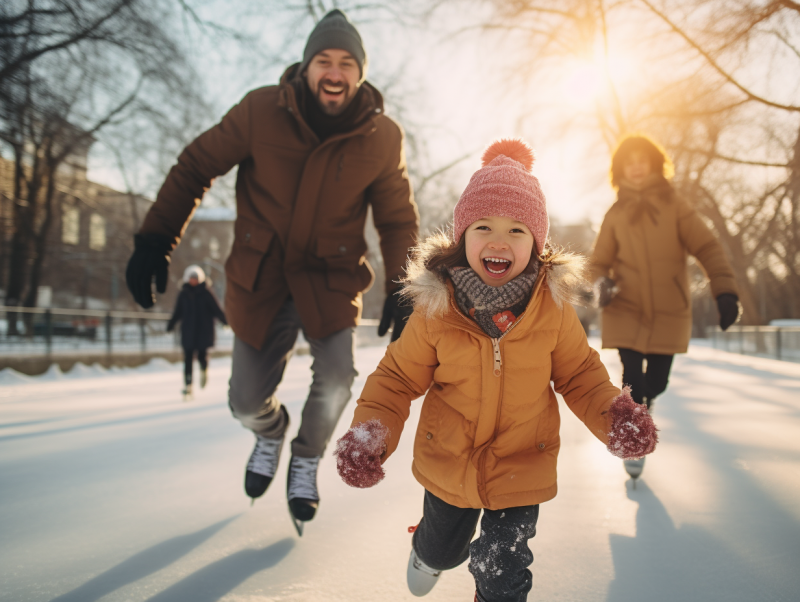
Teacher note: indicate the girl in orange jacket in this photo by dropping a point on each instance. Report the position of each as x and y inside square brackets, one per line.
[492, 327]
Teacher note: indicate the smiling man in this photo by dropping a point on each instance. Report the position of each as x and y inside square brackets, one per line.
[314, 153]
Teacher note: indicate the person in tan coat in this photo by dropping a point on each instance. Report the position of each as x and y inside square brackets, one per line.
[314, 153]
[639, 264]
[492, 327]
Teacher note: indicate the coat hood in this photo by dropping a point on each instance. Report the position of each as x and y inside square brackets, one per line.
[563, 273]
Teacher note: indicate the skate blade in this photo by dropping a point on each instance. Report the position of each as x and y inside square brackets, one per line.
[298, 525]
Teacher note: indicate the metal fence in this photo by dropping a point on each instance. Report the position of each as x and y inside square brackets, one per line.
[42, 333]
[38, 331]
[778, 342]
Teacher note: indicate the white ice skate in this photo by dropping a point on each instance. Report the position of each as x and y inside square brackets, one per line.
[634, 468]
[187, 393]
[203, 378]
[421, 578]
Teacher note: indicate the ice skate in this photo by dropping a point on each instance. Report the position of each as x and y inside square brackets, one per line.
[301, 490]
[203, 378]
[187, 392]
[634, 468]
[420, 577]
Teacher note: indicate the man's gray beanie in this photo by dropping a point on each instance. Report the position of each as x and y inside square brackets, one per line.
[335, 31]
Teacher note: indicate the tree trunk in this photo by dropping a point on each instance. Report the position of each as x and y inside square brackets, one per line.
[40, 239]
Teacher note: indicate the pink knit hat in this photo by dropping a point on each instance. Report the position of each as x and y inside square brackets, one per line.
[504, 187]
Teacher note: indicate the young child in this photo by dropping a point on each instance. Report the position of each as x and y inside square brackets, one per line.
[492, 327]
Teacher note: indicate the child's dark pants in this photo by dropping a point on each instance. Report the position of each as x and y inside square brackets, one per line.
[188, 355]
[499, 558]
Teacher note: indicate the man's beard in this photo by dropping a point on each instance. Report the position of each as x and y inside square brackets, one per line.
[333, 108]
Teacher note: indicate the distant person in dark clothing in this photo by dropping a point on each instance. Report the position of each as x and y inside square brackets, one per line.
[196, 309]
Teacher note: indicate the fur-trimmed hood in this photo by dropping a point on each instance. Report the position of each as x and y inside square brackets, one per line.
[563, 274]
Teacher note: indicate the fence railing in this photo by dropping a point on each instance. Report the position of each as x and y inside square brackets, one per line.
[56, 331]
[778, 342]
[29, 332]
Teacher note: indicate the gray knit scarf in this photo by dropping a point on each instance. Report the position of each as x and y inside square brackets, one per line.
[494, 308]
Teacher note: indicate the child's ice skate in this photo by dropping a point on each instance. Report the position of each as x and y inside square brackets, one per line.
[187, 392]
[203, 378]
[634, 468]
[421, 578]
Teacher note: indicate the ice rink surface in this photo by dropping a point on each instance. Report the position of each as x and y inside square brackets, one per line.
[113, 489]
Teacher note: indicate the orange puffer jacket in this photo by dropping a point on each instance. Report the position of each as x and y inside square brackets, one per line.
[488, 434]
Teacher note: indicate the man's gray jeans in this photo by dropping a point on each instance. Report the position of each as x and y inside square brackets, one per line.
[255, 375]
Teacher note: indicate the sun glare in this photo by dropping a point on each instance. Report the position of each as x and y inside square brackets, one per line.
[589, 80]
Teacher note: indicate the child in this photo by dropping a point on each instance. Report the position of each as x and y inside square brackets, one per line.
[196, 308]
[492, 326]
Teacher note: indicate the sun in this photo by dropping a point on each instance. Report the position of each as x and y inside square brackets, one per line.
[589, 80]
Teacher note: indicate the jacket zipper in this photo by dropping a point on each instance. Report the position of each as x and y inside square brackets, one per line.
[498, 362]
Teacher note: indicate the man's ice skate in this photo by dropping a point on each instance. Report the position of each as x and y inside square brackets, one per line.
[301, 490]
[187, 392]
[634, 468]
[203, 378]
[420, 577]
[263, 463]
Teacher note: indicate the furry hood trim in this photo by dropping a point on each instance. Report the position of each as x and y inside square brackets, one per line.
[564, 273]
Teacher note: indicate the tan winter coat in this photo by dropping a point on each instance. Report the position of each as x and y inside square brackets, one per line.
[643, 246]
[488, 431]
[301, 208]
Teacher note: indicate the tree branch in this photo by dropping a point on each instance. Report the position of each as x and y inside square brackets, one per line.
[728, 77]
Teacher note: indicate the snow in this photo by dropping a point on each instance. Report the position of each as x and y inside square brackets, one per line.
[113, 489]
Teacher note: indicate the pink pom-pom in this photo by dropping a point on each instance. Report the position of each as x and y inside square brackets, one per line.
[513, 148]
[358, 454]
[633, 433]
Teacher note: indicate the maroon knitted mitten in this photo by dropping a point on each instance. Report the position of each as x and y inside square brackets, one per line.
[633, 433]
[358, 454]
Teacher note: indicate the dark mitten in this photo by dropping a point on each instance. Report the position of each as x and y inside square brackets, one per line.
[633, 433]
[395, 309]
[729, 309]
[358, 454]
[605, 290]
[150, 258]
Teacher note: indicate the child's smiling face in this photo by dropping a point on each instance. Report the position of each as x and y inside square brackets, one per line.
[498, 249]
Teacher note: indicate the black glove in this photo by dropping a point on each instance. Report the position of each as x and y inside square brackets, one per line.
[150, 258]
[728, 306]
[397, 310]
[605, 290]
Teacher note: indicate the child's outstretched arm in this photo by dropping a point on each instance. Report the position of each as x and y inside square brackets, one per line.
[580, 376]
[405, 373]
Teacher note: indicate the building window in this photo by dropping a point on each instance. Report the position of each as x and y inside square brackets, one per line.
[71, 226]
[213, 247]
[97, 232]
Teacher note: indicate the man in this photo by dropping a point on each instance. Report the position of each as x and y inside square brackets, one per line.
[314, 152]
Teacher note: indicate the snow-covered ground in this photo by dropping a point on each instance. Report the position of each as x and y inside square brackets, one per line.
[112, 488]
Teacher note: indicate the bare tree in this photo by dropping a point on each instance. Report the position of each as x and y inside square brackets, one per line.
[61, 98]
[717, 82]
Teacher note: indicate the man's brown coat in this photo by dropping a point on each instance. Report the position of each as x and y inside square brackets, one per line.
[301, 208]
